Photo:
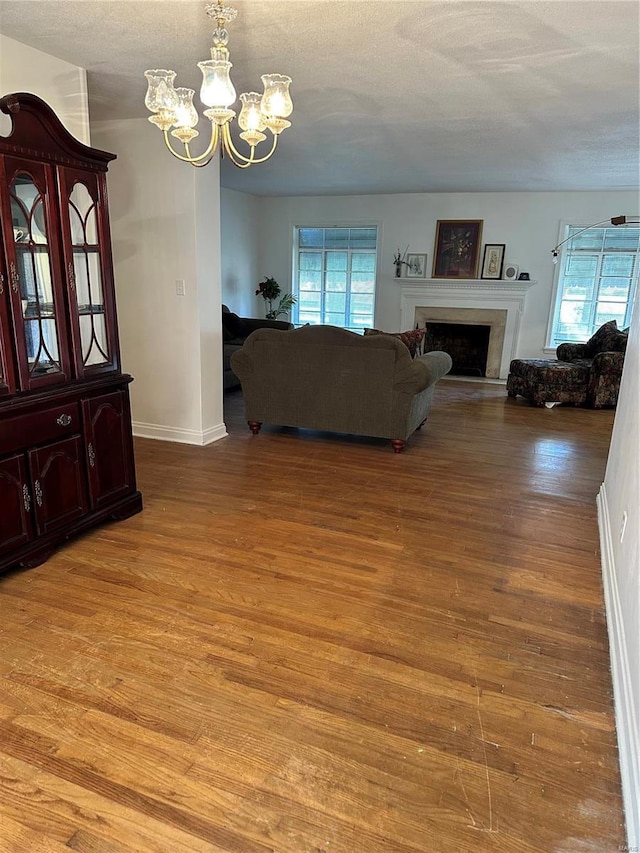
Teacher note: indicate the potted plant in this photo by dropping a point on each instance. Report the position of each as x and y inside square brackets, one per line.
[270, 290]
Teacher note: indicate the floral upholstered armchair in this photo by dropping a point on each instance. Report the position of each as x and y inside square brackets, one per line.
[604, 355]
[582, 374]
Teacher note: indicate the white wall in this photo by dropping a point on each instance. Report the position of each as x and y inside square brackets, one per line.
[165, 227]
[62, 85]
[527, 222]
[620, 496]
[240, 268]
[209, 295]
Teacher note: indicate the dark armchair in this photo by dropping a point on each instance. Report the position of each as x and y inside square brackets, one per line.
[583, 374]
[235, 330]
[604, 355]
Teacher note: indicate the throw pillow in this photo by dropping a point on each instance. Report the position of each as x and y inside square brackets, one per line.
[615, 342]
[412, 338]
[599, 341]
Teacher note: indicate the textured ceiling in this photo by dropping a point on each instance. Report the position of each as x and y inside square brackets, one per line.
[398, 96]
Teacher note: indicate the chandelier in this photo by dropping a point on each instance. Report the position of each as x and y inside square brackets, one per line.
[173, 107]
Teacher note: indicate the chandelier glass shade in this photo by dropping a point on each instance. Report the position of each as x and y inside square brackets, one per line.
[173, 107]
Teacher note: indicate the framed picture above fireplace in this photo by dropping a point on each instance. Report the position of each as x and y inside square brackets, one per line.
[493, 260]
[457, 248]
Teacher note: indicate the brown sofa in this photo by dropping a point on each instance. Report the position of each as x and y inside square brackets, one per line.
[327, 378]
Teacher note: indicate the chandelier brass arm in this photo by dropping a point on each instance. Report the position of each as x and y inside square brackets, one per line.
[202, 159]
[244, 162]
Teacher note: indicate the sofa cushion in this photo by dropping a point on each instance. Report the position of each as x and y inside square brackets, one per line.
[603, 339]
[412, 338]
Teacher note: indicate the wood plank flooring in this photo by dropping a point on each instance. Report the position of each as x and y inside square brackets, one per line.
[308, 643]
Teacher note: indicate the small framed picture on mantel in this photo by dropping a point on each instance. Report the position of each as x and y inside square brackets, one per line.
[416, 265]
[493, 260]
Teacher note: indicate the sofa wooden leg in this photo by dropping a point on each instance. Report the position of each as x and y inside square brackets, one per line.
[254, 426]
[398, 444]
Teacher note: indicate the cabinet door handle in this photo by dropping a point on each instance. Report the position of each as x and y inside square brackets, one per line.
[26, 497]
[64, 419]
[15, 278]
[38, 490]
[72, 276]
[92, 455]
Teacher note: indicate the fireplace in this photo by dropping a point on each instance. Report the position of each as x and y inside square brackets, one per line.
[496, 304]
[495, 320]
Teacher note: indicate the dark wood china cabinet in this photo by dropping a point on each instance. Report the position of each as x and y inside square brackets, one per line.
[66, 449]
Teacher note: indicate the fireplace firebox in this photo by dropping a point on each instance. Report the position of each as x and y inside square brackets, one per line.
[468, 345]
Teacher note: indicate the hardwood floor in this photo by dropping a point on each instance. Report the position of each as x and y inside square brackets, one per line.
[308, 643]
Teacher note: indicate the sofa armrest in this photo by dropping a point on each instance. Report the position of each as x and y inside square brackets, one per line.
[423, 372]
[241, 364]
[569, 352]
[604, 379]
[608, 362]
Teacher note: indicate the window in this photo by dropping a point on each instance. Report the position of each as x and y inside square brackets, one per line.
[335, 276]
[598, 274]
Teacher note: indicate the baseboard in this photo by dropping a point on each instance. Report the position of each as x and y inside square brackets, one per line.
[181, 436]
[621, 676]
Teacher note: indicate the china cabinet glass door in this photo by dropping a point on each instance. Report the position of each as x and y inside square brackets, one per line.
[89, 269]
[7, 378]
[34, 279]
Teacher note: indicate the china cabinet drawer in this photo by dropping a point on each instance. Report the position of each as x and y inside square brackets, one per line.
[39, 427]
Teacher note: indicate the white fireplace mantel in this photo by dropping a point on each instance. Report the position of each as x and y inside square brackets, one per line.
[508, 296]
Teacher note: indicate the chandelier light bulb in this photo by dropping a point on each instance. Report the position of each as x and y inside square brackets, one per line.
[160, 93]
[276, 100]
[173, 107]
[217, 89]
[185, 112]
[251, 117]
